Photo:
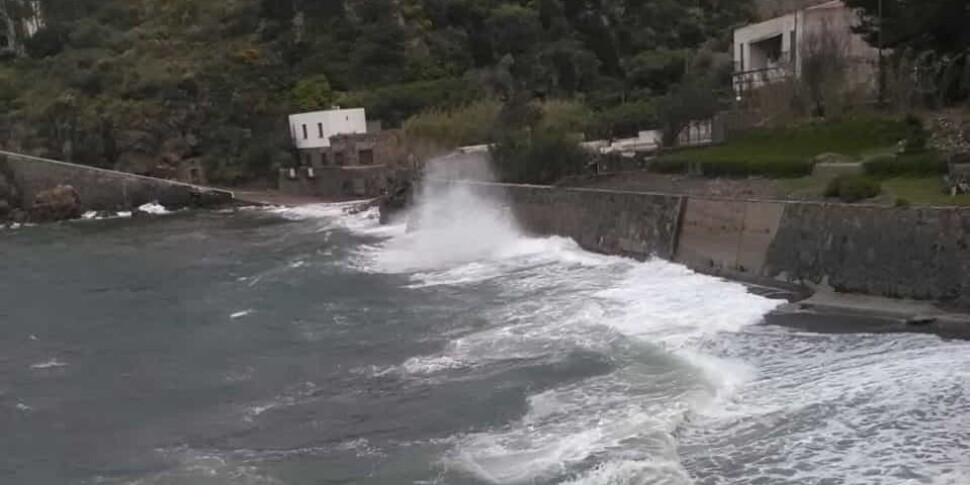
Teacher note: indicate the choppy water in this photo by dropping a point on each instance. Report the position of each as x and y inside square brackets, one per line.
[310, 346]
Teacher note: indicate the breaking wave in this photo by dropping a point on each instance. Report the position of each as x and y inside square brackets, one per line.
[687, 388]
[560, 304]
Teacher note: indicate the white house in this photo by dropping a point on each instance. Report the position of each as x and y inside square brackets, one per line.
[771, 50]
[314, 129]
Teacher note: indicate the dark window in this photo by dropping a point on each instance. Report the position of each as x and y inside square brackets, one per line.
[307, 158]
[366, 157]
[304, 132]
[743, 67]
[324, 159]
[339, 158]
[320, 129]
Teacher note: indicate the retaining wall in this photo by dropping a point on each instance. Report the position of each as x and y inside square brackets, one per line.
[919, 253]
[101, 189]
[637, 225]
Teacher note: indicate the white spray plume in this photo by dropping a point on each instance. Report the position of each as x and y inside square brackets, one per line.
[453, 223]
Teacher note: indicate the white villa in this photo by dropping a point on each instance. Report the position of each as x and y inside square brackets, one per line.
[769, 51]
[313, 130]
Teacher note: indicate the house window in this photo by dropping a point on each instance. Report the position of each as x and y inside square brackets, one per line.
[304, 132]
[741, 48]
[366, 157]
[338, 157]
[307, 158]
[324, 160]
[320, 129]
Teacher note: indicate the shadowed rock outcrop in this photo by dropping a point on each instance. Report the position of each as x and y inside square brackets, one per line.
[57, 204]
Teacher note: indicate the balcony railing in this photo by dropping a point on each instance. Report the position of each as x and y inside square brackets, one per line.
[747, 80]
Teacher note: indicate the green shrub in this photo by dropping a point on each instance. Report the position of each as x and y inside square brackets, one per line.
[853, 188]
[902, 203]
[912, 165]
[543, 158]
[757, 168]
[668, 166]
[623, 120]
[916, 135]
[465, 125]
[736, 168]
[395, 103]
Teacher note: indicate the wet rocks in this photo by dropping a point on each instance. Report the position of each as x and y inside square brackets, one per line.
[56, 204]
[396, 199]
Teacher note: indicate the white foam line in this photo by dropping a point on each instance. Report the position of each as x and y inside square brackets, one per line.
[241, 314]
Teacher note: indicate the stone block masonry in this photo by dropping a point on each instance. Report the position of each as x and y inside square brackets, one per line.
[637, 225]
[917, 253]
[101, 189]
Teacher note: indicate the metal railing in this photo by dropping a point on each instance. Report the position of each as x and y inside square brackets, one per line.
[747, 80]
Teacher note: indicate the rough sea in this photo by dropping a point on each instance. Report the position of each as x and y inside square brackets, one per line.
[314, 346]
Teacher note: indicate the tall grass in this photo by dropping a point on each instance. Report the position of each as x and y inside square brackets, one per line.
[468, 125]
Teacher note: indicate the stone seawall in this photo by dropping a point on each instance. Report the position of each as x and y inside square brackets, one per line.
[102, 189]
[631, 224]
[918, 253]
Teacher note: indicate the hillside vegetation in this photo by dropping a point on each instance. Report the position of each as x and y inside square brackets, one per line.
[143, 85]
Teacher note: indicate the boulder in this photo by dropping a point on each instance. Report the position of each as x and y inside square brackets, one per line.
[396, 199]
[56, 204]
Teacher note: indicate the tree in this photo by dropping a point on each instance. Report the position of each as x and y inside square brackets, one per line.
[513, 29]
[694, 100]
[939, 25]
[657, 69]
[931, 34]
[313, 93]
[823, 66]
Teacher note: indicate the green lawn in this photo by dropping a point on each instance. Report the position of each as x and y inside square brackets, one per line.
[856, 137]
[919, 191]
[922, 191]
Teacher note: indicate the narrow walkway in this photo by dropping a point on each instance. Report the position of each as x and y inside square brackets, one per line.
[275, 197]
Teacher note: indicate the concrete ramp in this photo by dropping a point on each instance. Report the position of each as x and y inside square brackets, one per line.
[727, 234]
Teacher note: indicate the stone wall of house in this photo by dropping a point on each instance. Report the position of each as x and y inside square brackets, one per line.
[335, 183]
[353, 166]
[100, 189]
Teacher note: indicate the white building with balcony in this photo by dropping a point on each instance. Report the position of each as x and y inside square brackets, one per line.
[771, 50]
